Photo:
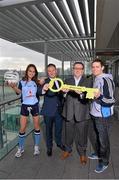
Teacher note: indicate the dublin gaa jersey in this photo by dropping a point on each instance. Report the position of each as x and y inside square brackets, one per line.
[28, 92]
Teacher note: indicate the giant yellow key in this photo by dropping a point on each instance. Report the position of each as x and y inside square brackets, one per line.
[90, 91]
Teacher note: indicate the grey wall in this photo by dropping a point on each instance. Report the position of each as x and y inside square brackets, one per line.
[107, 24]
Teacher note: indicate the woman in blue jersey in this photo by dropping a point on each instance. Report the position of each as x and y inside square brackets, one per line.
[30, 104]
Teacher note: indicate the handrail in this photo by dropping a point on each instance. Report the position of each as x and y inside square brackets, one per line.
[9, 101]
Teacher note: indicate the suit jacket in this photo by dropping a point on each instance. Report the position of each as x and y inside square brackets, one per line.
[74, 105]
[52, 102]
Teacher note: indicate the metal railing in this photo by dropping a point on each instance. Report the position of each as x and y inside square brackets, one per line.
[3, 105]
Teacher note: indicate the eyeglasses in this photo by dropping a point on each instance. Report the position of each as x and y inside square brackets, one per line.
[78, 68]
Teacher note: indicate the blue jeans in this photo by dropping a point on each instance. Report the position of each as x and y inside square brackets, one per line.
[99, 131]
[57, 121]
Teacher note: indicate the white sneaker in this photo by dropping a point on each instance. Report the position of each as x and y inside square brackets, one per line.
[36, 150]
[19, 152]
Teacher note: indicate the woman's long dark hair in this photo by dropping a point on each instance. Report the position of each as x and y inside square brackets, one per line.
[35, 78]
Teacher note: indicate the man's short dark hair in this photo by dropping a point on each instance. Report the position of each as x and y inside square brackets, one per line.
[99, 61]
[49, 65]
[78, 63]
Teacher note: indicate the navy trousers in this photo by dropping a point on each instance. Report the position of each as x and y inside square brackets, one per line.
[57, 121]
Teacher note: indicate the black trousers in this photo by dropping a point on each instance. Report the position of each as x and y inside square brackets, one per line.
[99, 131]
[75, 132]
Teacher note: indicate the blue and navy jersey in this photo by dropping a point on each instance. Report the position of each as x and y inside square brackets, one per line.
[105, 84]
[29, 92]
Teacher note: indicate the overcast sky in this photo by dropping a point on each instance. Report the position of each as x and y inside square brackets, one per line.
[13, 56]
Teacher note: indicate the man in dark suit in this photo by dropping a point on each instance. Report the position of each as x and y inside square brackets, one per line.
[51, 110]
[76, 114]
